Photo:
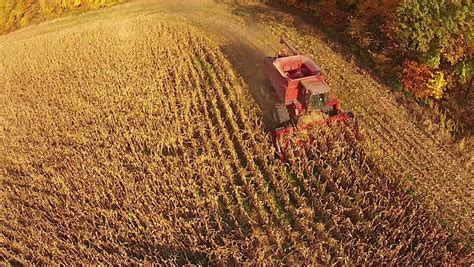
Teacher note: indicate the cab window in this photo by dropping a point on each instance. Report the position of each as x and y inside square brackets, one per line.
[317, 101]
[321, 99]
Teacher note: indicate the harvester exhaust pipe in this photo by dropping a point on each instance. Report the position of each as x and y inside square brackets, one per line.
[285, 41]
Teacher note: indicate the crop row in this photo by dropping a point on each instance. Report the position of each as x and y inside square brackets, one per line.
[145, 146]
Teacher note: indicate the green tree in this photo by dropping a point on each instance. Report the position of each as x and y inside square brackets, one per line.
[439, 33]
[429, 27]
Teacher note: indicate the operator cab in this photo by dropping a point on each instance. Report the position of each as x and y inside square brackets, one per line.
[317, 101]
[318, 94]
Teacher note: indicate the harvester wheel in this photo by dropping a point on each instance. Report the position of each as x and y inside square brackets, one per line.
[281, 115]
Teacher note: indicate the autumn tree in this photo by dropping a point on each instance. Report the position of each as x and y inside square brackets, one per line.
[438, 34]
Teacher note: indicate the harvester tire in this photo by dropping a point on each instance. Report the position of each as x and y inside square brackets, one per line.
[281, 115]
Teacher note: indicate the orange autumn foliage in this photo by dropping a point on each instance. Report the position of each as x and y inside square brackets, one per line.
[415, 78]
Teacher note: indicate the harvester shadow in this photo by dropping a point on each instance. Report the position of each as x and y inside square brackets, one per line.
[247, 53]
[248, 62]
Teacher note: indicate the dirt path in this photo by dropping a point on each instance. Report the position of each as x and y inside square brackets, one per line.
[247, 33]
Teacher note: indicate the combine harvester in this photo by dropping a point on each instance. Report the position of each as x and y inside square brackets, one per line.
[304, 99]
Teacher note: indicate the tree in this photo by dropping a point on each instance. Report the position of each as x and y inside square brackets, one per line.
[439, 34]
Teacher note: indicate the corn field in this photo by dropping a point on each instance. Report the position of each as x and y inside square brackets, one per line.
[398, 146]
[137, 142]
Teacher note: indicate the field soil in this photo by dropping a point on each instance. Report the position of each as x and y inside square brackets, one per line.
[177, 90]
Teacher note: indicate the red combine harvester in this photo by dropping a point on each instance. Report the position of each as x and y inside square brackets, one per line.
[304, 99]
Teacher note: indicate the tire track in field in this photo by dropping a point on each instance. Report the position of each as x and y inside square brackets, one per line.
[222, 118]
[226, 123]
[230, 218]
[280, 187]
